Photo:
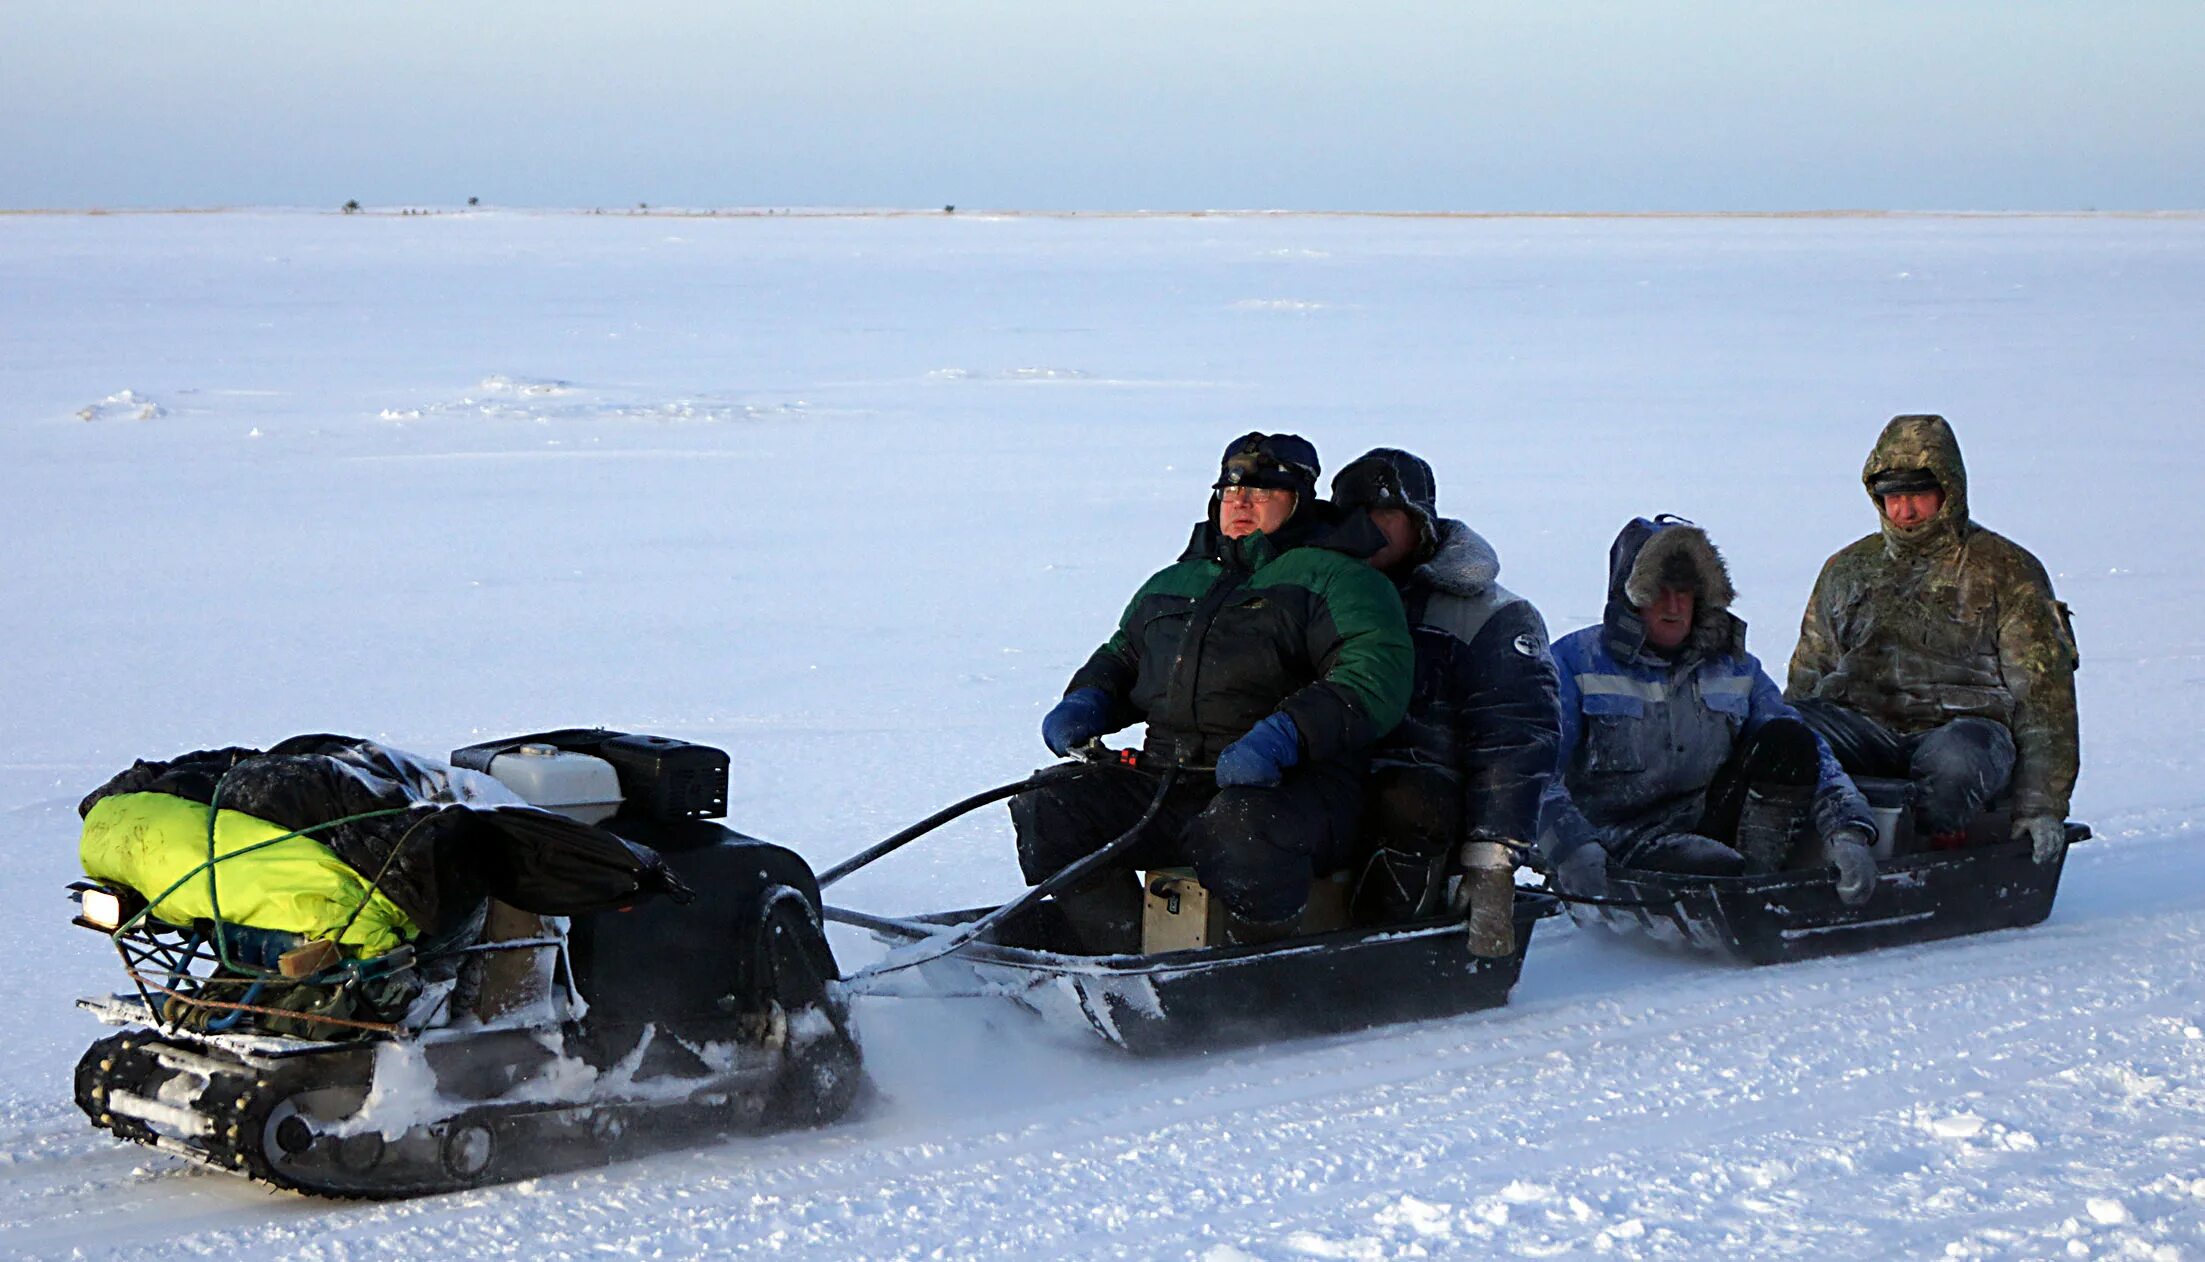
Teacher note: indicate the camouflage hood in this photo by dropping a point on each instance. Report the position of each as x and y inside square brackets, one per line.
[1920, 442]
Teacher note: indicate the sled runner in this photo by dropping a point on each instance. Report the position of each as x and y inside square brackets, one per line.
[514, 1046]
[1178, 1001]
[1920, 895]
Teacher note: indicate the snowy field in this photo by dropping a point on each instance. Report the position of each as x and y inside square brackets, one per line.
[851, 496]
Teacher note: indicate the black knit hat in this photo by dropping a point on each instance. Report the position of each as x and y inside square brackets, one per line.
[1388, 477]
[1282, 461]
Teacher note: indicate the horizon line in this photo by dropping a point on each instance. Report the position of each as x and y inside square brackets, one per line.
[952, 211]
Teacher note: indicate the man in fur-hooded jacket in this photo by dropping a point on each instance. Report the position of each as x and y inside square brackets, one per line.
[1468, 765]
[1677, 752]
[1934, 650]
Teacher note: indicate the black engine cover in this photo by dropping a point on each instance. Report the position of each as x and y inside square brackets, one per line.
[699, 964]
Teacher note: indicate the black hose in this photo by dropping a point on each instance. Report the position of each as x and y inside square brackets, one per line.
[1064, 878]
[897, 842]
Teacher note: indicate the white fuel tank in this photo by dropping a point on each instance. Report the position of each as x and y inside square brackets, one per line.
[579, 786]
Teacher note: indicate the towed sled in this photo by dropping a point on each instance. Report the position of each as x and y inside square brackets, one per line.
[1220, 996]
[1187, 990]
[1920, 894]
[521, 1046]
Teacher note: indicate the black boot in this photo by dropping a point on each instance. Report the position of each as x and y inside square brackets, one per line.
[1239, 932]
[1768, 824]
[1687, 854]
[1398, 887]
[1104, 915]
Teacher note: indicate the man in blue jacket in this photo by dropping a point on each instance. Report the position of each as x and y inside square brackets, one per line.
[1678, 753]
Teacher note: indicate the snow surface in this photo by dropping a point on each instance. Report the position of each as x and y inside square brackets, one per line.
[851, 496]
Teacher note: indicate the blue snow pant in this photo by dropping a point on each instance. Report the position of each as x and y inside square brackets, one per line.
[1779, 757]
[1956, 769]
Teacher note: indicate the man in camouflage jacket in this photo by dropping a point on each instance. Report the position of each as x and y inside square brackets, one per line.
[1935, 650]
[1268, 651]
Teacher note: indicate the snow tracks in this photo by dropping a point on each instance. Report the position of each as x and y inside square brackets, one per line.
[2028, 1094]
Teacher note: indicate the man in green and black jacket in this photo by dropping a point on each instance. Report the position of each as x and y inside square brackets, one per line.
[1269, 651]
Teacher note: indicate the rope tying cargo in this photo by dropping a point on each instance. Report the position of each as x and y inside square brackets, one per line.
[246, 974]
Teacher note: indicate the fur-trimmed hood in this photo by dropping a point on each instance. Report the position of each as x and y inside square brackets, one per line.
[1463, 564]
[1920, 441]
[1674, 554]
[1669, 551]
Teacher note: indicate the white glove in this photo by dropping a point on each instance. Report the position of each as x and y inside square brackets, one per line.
[1583, 871]
[2047, 836]
[1488, 854]
[1489, 884]
[1856, 866]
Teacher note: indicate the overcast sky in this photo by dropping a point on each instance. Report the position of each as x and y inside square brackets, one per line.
[1111, 104]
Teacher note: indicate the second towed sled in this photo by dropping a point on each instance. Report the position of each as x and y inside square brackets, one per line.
[1920, 894]
[1181, 998]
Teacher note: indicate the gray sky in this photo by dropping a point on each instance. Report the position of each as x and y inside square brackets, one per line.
[1114, 104]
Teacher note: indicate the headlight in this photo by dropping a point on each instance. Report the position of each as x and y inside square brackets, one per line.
[102, 908]
[105, 909]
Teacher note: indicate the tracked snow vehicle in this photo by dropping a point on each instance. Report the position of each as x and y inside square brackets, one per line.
[1920, 894]
[520, 1044]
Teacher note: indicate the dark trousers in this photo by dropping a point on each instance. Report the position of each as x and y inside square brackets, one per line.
[1257, 850]
[1956, 769]
[1781, 754]
[1415, 810]
[1412, 819]
[1779, 757]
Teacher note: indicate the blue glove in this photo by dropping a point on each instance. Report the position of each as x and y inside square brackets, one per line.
[1079, 718]
[1258, 758]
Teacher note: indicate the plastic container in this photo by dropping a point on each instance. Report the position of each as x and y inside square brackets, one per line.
[579, 786]
[1889, 821]
[660, 778]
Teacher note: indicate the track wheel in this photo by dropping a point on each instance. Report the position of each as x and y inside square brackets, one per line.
[822, 1072]
[817, 1084]
[112, 1061]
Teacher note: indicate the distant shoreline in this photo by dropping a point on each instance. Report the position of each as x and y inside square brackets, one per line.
[747, 212]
